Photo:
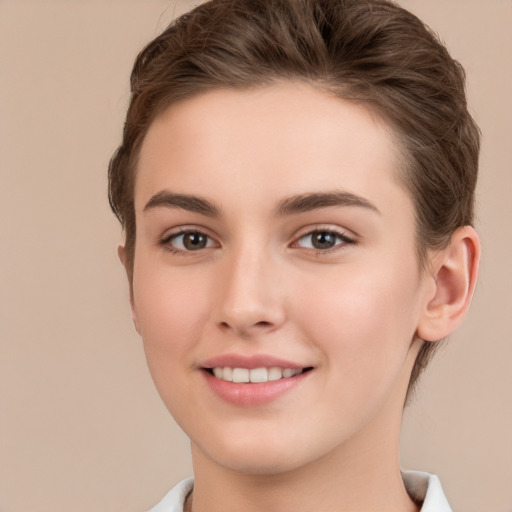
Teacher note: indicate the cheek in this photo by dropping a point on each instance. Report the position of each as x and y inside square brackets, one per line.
[363, 321]
[169, 311]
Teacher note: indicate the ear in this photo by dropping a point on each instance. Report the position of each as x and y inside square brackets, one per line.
[453, 273]
[121, 252]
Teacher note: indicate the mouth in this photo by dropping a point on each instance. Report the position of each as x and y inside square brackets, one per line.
[254, 375]
[253, 381]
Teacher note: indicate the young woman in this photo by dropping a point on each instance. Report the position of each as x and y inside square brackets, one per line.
[296, 183]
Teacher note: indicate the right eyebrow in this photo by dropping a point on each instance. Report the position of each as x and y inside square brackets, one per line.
[187, 202]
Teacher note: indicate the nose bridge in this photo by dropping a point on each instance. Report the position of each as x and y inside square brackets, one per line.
[249, 285]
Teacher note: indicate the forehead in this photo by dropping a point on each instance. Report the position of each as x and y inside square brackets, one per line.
[288, 138]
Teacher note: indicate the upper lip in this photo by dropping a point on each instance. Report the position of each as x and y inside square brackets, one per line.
[249, 362]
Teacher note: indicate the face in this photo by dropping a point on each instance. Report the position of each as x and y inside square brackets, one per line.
[276, 285]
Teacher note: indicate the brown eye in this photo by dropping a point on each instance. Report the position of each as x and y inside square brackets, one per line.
[323, 240]
[190, 241]
[194, 241]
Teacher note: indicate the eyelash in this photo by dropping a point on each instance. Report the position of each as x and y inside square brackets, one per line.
[167, 242]
[342, 238]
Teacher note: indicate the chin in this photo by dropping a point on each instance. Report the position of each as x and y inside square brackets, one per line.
[262, 464]
[255, 456]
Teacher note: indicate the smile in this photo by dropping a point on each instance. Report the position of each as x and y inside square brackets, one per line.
[255, 386]
[254, 375]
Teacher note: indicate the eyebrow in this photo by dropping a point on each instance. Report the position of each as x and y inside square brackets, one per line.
[187, 202]
[312, 201]
[295, 204]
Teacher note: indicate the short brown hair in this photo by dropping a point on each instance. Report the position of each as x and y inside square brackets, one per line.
[370, 51]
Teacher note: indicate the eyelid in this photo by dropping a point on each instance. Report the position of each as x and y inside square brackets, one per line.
[345, 235]
[166, 239]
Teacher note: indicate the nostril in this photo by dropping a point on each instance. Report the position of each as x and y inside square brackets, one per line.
[263, 324]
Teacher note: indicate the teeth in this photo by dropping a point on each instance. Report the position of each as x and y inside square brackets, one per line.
[275, 373]
[240, 375]
[287, 372]
[258, 375]
[255, 375]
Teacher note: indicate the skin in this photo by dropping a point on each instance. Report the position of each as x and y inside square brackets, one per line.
[354, 312]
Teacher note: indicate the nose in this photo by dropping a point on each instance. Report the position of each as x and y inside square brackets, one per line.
[250, 300]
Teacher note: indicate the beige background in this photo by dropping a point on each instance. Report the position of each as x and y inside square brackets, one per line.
[82, 428]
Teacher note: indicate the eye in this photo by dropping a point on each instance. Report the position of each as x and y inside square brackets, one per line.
[187, 241]
[323, 239]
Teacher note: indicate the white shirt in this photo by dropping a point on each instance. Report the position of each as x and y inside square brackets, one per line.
[422, 487]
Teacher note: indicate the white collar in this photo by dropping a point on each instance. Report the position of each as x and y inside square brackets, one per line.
[426, 488]
[422, 487]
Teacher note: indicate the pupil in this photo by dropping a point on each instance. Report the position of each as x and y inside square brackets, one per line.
[323, 240]
[194, 241]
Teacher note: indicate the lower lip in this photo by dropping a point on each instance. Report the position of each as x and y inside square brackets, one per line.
[253, 394]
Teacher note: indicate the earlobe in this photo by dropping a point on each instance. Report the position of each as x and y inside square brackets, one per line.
[453, 274]
[121, 252]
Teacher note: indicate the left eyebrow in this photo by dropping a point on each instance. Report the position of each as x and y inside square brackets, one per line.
[313, 201]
